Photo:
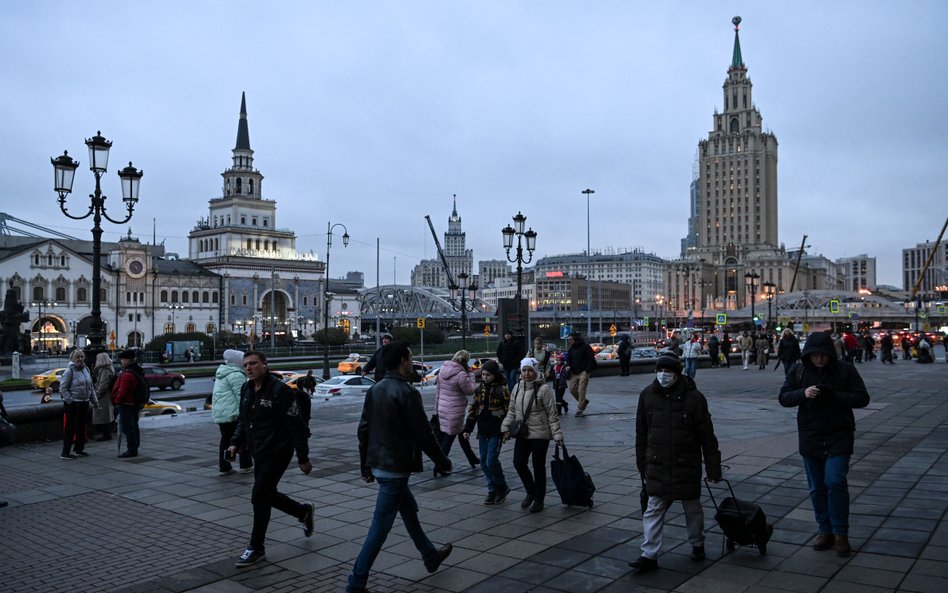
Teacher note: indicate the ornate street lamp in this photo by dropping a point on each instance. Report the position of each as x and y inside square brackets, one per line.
[770, 291]
[345, 243]
[174, 307]
[752, 280]
[530, 238]
[461, 302]
[64, 173]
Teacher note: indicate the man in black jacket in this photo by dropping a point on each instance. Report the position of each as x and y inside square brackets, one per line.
[580, 362]
[271, 423]
[826, 390]
[375, 363]
[673, 431]
[510, 352]
[393, 433]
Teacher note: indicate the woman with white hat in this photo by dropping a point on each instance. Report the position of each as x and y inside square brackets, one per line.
[532, 407]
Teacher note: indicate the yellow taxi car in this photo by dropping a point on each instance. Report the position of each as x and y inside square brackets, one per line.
[48, 378]
[597, 347]
[353, 365]
[608, 353]
[160, 408]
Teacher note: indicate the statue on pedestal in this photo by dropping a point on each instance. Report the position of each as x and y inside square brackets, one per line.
[11, 317]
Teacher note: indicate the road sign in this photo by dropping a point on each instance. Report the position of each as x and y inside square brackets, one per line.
[721, 319]
[565, 331]
[942, 309]
[420, 323]
[487, 330]
[612, 330]
[834, 306]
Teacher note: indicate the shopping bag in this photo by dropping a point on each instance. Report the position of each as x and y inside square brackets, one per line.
[574, 485]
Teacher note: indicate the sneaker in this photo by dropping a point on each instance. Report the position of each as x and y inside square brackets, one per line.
[823, 541]
[578, 413]
[67, 456]
[697, 553]
[307, 520]
[491, 498]
[250, 557]
[527, 501]
[81, 454]
[537, 506]
[841, 544]
[643, 565]
[501, 495]
[246, 470]
[226, 472]
[440, 554]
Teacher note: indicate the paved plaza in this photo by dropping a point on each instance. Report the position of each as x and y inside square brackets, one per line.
[166, 522]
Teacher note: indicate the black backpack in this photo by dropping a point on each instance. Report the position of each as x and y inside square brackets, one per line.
[142, 392]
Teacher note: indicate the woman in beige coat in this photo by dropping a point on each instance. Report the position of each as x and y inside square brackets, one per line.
[533, 402]
[103, 415]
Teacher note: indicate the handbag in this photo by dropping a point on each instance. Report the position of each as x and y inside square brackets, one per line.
[519, 428]
[573, 484]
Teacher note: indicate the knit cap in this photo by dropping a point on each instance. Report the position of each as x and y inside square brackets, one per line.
[669, 361]
[529, 362]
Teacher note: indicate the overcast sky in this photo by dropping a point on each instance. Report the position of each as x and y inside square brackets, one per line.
[373, 114]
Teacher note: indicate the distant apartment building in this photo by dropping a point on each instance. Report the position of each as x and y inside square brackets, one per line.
[643, 272]
[490, 270]
[913, 262]
[859, 272]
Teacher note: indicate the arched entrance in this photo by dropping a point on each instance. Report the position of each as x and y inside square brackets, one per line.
[135, 339]
[274, 313]
[49, 334]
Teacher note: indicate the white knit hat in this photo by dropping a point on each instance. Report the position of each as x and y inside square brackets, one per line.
[529, 362]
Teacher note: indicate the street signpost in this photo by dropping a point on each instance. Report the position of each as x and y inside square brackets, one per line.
[565, 331]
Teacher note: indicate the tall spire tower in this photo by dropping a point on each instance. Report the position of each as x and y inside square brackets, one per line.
[737, 174]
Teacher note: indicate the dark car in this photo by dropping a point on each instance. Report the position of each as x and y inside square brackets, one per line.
[163, 378]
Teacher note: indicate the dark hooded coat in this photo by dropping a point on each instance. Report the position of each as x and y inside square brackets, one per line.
[826, 424]
[673, 430]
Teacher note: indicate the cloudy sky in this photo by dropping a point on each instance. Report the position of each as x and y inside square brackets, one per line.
[374, 114]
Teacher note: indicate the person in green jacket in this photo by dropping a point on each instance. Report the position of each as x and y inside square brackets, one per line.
[225, 407]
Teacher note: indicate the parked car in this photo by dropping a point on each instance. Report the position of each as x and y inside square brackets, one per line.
[160, 408]
[48, 378]
[357, 385]
[597, 347]
[163, 378]
[353, 365]
[292, 382]
[644, 352]
[608, 353]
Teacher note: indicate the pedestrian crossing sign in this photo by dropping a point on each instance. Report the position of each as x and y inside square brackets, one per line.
[721, 319]
[834, 306]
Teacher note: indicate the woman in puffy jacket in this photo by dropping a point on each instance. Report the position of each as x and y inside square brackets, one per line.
[532, 402]
[225, 407]
[77, 391]
[103, 414]
[455, 384]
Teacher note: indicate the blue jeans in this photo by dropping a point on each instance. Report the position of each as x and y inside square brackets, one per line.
[128, 424]
[829, 492]
[490, 463]
[394, 498]
[691, 367]
[512, 378]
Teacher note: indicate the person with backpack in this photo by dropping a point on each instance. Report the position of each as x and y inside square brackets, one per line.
[78, 392]
[130, 393]
[788, 349]
[229, 379]
[580, 363]
[274, 424]
[103, 414]
[825, 390]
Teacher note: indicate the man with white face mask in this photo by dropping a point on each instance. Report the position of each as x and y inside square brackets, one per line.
[673, 431]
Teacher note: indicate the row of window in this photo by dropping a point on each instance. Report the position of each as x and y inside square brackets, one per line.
[184, 296]
[59, 294]
[190, 328]
[49, 260]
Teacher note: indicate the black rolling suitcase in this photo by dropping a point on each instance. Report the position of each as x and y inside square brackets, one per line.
[743, 523]
[574, 485]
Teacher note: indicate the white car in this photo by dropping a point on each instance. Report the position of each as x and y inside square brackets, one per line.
[344, 386]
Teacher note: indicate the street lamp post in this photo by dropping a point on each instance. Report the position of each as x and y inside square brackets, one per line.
[345, 243]
[770, 291]
[65, 171]
[753, 281]
[531, 240]
[460, 302]
[42, 305]
[660, 301]
[174, 307]
[588, 193]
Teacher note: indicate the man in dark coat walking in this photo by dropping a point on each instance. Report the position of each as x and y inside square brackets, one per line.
[393, 433]
[510, 352]
[375, 365]
[825, 391]
[788, 349]
[580, 362]
[673, 432]
[625, 355]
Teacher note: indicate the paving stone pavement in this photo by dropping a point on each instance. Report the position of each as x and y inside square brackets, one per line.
[166, 522]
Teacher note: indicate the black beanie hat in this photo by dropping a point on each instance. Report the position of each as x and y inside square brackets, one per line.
[668, 360]
[491, 367]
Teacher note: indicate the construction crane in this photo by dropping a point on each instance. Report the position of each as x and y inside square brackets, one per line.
[7, 230]
[444, 260]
